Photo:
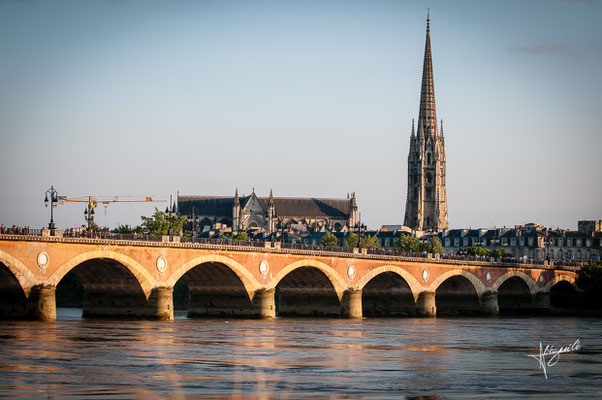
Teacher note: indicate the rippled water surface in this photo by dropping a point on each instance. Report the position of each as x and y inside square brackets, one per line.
[298, 358]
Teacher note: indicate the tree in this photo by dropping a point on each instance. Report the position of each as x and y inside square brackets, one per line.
[242, 236]
[159, 224]
[589, 278]
[370, 242]
[407, 243]
[329, 240]
[477, 251]
[124, 229]
[351, 241]
[436, 246]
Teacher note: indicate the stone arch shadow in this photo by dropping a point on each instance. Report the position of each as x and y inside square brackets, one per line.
[16, 283]
[216, 286]
[389, 291]
[114, 285]
[516, 293]
[458, 292]
[308, 288]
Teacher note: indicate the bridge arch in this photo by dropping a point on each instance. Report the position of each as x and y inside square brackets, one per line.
[248, 280]
[529, 281]
[21, 273]
[559, 278]
[146, 281]
[476, 282]
[333, 276]
[412, 282]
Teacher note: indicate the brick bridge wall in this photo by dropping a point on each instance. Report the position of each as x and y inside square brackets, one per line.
[136, 279]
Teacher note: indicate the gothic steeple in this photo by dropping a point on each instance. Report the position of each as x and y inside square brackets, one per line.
[427, 117]
[426, 199]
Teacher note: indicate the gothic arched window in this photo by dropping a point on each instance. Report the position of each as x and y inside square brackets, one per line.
[428, 158]
[429, 178]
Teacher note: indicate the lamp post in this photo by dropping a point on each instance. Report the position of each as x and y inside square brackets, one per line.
[89, 216]
[54, 199]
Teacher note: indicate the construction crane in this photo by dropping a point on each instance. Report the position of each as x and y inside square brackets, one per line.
[93, 201]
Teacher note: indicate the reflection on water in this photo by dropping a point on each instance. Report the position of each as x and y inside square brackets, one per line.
[297, 358]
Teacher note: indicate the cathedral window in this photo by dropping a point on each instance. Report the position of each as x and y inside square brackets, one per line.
[428, 158]
[429, 178]
[415, 193]
[428, 194]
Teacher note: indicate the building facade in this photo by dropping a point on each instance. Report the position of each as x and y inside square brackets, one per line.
[426, 198]
[270, 214]
[530, 242]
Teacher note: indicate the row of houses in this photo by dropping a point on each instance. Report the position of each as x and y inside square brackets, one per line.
[530, 242]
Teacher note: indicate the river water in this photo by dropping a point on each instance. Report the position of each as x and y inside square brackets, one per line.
[299, 358]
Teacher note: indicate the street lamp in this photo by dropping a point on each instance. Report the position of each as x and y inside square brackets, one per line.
[89, 216]
[54, 199]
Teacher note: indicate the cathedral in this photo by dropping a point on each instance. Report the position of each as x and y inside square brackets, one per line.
[426, 199]
[271, 214]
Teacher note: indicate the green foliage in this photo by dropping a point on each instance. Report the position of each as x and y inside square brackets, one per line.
[242, 236]
[370, 242]
[329, 240]
[124, 229]
[589, 278]
[158, 224]
[225, 236]
[407, 243]
[500, 253]
[351, 241]
[477, 251]
[94, 227]
[436, 246]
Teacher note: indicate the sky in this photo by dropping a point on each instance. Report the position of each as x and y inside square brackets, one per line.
[308, 98]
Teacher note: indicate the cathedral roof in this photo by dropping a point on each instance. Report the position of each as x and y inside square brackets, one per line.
[285, 206]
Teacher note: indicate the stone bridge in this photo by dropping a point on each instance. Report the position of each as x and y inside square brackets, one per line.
[127, 278]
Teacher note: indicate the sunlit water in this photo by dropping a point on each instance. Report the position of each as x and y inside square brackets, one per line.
[298, 358]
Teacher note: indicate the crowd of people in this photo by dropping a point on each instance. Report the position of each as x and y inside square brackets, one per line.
[14, 230]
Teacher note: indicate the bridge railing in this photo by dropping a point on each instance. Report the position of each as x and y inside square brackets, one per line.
[286, 247]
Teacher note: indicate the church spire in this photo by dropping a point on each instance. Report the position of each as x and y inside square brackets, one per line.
[427, 117]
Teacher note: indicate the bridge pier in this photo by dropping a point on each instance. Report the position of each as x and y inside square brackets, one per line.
[42, 303]
[161, 303]
[489, 303]
[265, 302]
[352, 303]
[425, 304]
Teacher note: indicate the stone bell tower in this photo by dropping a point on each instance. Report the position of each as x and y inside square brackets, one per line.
[426, 201]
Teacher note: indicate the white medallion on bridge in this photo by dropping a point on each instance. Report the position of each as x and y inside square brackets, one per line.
[488, 277]
[43, 261]
[540, 280]
[351, 271]
[425, 275]
[161, 264]
[264, 267]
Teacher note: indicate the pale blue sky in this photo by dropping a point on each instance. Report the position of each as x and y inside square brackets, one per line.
[309, 98]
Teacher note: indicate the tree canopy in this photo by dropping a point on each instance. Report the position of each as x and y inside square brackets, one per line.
[370, 242]
[158, 224]
[351, 241]
[589, 278]
[329, 240]
[407, 243]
